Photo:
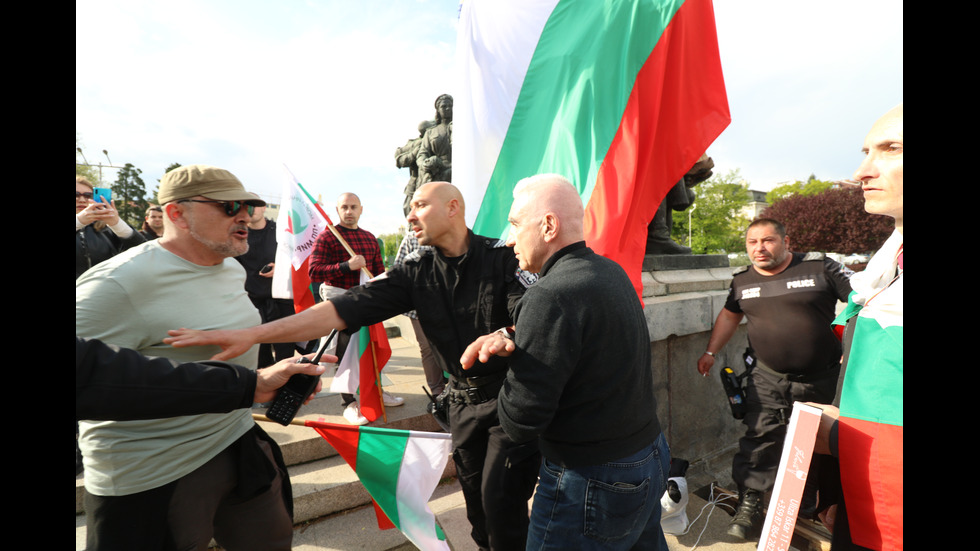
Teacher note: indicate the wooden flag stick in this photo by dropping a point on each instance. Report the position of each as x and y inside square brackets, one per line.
[377, 377]
[260, 417]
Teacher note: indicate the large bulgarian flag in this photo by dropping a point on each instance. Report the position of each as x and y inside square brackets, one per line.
[400, 469]
[619, 96]
[871, 424]
[298, 226]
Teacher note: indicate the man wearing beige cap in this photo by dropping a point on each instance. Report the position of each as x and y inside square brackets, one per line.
[182, 480]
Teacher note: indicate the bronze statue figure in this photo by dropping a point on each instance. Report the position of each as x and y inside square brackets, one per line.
[405, 157]
[679, 198]
[435, 157]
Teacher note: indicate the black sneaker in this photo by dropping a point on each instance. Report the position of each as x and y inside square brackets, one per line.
[745, 525]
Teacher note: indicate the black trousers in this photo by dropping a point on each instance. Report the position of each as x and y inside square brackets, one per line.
[769, 399]
[271, 309]
[241, 497]
[497, 476]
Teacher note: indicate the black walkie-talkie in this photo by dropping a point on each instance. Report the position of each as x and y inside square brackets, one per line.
[299, 387]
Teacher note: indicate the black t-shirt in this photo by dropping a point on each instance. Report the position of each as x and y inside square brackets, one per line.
[261, 251]
[789, 313]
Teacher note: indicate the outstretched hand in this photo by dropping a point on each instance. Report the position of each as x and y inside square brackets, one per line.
[486, 346]
[233, 342]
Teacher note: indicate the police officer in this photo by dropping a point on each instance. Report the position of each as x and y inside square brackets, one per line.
[467, 287]
[789, 301]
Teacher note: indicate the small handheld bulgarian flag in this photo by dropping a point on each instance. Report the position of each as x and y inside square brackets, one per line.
[360, 369]
[400, 469]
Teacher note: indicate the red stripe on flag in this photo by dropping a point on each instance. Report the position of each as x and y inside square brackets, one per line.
[302, 287]
[345, 440]
[872, 475]
[677, 108]
[375, 356]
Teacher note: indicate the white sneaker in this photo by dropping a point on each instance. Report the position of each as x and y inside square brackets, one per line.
[352, 413]
[391, 400]
[673, 514]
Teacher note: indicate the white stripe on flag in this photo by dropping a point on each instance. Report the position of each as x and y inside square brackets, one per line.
[487, 93]
[421, 469]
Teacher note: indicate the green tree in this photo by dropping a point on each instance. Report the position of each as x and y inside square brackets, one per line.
[812, 186]
[129, 194]
[717, 219]
[391, 242]
[156, 193]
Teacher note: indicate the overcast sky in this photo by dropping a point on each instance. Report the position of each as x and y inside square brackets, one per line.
[330, 88]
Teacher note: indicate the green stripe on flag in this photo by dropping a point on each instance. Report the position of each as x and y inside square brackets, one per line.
[874, 392]
[379, 458]
[573, 97]
[363, 341]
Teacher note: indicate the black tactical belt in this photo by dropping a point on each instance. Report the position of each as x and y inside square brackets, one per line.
[475, 390]
[799, 377]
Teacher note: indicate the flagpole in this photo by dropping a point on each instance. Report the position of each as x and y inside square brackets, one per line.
[338, 426]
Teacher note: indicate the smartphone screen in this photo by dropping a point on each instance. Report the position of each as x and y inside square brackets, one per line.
[101, 195]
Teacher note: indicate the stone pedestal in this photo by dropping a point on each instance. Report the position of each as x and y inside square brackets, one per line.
[682, 296]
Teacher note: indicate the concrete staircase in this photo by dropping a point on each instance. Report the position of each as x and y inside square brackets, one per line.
[332, 510]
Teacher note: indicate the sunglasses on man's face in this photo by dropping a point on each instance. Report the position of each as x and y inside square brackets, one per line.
[85, 194]
[231, 207]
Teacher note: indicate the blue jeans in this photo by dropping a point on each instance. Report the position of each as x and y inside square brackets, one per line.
[615, 505]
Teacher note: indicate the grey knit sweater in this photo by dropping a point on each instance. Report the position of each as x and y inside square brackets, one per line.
[581, 378]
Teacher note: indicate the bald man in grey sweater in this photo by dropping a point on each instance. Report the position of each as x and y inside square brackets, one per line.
[580, 382]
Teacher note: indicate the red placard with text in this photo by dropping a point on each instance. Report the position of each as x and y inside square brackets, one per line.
[777, 532]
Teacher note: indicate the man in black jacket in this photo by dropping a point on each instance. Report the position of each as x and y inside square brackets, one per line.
[466, 286]
[580, 383]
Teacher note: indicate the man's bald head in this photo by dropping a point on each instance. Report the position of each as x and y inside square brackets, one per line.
[553, 193]
[881, 173]
[437, 217]
[349, 210]
[546, 216]
[442, 192]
